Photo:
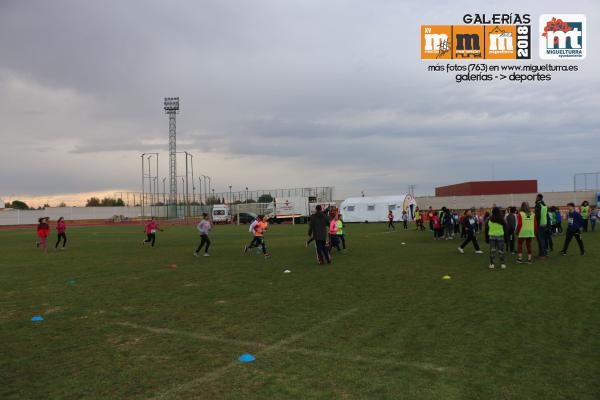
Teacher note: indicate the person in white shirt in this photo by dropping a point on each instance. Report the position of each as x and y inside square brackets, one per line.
[204, 226]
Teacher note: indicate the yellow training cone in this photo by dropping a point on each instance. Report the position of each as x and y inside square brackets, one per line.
[446, 277]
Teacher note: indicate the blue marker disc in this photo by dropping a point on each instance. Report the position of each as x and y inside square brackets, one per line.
[247, 358]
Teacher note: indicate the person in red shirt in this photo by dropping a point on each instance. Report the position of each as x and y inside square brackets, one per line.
[61, 228]
[391, 220]
[43, 230]
[150, 231]
[436, 224]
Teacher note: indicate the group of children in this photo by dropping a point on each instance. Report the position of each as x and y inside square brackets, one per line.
[391, 217]
[522, 226]
[43, 231]
[503, 229]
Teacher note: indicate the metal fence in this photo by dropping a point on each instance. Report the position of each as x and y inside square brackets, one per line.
[589, 181]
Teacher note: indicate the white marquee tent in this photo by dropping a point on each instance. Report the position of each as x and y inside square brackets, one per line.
[375, 209]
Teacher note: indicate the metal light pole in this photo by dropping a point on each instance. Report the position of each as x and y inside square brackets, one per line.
[200, 193]
[171, 107]
[143, 179]
[164, 191]
[213, 194]
[229, 194]
[246, 194]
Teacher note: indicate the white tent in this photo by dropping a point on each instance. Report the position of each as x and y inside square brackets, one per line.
[375, 209]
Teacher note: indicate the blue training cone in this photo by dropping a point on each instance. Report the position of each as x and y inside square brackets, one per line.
[247, 358]
[37, 318]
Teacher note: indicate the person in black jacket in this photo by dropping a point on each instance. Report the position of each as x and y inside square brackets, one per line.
[511, 224]
[318, 229]
[469, 224]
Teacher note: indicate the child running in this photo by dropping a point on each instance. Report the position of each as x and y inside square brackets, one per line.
[43, 230]
[470, 224]
[258, 229]
[61, 227]
[204, 226]
[525, 232]
[573, 229]
[150, 230]
[333, 236]
[496, 234]
[391, 220]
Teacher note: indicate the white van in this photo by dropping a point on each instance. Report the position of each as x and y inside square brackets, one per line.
[221, 214]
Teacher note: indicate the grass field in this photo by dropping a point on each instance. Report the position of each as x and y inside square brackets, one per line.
[379, 323]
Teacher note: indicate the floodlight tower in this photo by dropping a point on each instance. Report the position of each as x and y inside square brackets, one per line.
[171, 109]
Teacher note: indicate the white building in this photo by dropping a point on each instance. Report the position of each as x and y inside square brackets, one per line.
[376, 208]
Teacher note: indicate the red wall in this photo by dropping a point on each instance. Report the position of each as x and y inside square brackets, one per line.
[488, 188]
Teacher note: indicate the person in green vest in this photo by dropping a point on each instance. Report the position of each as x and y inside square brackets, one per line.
[525, 232]
[496, 234]
[341, 234]
[585, 214]
[418, 219]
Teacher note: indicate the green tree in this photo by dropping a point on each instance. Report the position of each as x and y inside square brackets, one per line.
[265, 198]
[93, 202]
[62, 204]
[18, 205]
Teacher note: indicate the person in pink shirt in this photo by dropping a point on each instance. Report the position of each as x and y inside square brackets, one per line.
[150, 231]
[334, 240]
[61, 228]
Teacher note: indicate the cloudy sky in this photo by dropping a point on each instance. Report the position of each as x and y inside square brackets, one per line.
[276, 94]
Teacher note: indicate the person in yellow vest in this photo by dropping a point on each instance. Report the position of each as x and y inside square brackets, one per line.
[418, 219]
[341, 234]
[585, 214]
[496, 234]
[526, 225]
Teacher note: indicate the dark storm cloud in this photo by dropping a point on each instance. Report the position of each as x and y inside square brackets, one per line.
[300, 85]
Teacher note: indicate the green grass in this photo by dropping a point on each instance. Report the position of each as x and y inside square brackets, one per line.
[379, 323]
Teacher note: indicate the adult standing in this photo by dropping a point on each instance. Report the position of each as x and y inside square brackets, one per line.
[541, 219]
[318, 229]
[340, 232]
[585, 214]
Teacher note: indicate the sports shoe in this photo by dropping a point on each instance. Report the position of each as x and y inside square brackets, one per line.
[478, 252]
[196, 254]
[503, 266]
[306, 244]
[461, 250]
[564, 253]
[528, 262]
[267, 255]
[519, 261]
[245, 249]
[492, 266]
[206, 255]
